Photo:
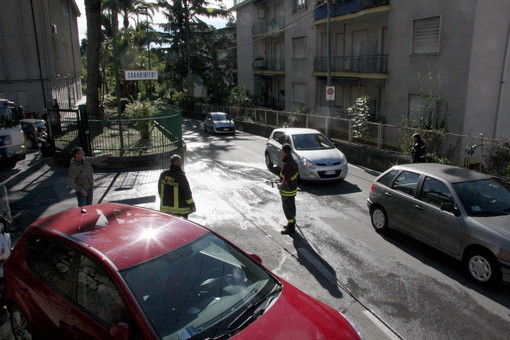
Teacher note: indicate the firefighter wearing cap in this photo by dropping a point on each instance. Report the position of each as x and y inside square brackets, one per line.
[174, 190]
[288, 188]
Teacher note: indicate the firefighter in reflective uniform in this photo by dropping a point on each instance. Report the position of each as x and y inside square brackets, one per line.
[288, 188]
[174, 190]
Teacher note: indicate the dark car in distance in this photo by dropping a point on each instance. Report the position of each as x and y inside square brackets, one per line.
[460, 212]
[125, 272]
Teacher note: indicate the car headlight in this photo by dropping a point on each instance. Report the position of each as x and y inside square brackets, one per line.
[307, 163]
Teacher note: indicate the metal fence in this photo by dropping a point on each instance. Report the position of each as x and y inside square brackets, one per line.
[491, 156]
[122, 136]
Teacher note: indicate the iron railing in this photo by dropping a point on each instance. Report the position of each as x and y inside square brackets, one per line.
[269, 65]
[269, 25]
[345, 7]
[357, 64]
[122, 136]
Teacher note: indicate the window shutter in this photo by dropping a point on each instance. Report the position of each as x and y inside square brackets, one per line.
[426, 35]
[299, 47]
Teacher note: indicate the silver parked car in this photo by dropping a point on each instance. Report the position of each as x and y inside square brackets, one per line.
[462, 213]
[317, 157]
[219, 122]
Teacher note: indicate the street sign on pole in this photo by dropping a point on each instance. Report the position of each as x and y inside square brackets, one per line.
[330, 93]
[141, 75]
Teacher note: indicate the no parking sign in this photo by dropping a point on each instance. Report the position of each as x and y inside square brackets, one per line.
[330, 93]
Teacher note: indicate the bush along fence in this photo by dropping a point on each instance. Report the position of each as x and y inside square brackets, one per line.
[491, 156]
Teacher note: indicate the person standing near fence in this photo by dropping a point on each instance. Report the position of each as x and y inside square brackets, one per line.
[419, 150]
[174, 190]
[80, 176]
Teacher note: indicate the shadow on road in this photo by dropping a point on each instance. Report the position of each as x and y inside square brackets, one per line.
[316, 265]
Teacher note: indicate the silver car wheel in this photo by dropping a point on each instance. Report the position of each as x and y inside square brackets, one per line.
[379, 219]
[19, 324]
[480, 268]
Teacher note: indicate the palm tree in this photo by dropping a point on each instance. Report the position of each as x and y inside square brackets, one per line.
[93, 12]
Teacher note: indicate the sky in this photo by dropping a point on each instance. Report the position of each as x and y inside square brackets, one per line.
[82, 20]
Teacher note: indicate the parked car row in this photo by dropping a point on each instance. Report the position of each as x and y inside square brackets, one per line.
[460, 212]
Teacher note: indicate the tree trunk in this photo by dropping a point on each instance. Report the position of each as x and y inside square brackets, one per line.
[93, 11]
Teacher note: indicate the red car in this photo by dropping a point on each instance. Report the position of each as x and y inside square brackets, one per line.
[124, 272]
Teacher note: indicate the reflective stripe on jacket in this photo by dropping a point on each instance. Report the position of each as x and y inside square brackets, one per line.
[174, 192]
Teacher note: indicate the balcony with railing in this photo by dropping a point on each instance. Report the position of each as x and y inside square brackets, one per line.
[355, 64]
[267, 26]
[274, 65]
[344, 7]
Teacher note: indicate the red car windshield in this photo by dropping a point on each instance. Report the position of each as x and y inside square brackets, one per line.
[198, 290]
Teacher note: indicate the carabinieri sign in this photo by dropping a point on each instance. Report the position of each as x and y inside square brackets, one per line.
[141, 75]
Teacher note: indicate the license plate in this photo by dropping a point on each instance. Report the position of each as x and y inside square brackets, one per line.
[330, 172]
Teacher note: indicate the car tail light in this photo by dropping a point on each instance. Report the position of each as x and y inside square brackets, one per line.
[372, 187]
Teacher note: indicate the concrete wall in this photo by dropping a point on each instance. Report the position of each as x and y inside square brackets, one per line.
[488, 95]
[449, 69]
[48, 62]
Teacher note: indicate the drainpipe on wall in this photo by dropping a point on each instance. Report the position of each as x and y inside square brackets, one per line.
[502, 85]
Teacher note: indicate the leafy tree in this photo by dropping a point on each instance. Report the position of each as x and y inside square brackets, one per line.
[360, 114]
[191, 41]
[239, 96]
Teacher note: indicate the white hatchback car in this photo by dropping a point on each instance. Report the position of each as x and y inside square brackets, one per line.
[317, 157]
[219, 122]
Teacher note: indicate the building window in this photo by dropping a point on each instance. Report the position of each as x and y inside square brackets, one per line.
[299, 5]
[299, 48]
[299, 93]
[426, 35]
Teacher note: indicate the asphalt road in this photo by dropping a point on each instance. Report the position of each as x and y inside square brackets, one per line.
[390, 286]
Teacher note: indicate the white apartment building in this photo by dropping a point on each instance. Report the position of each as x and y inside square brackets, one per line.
[452, 57]
[40, 53]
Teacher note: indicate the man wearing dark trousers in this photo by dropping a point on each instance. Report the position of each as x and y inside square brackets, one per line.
[174, 190]
[288, 189]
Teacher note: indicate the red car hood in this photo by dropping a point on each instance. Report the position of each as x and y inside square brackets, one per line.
[296, 315]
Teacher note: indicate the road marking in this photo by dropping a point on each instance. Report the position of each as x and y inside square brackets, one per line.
[381, 326]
